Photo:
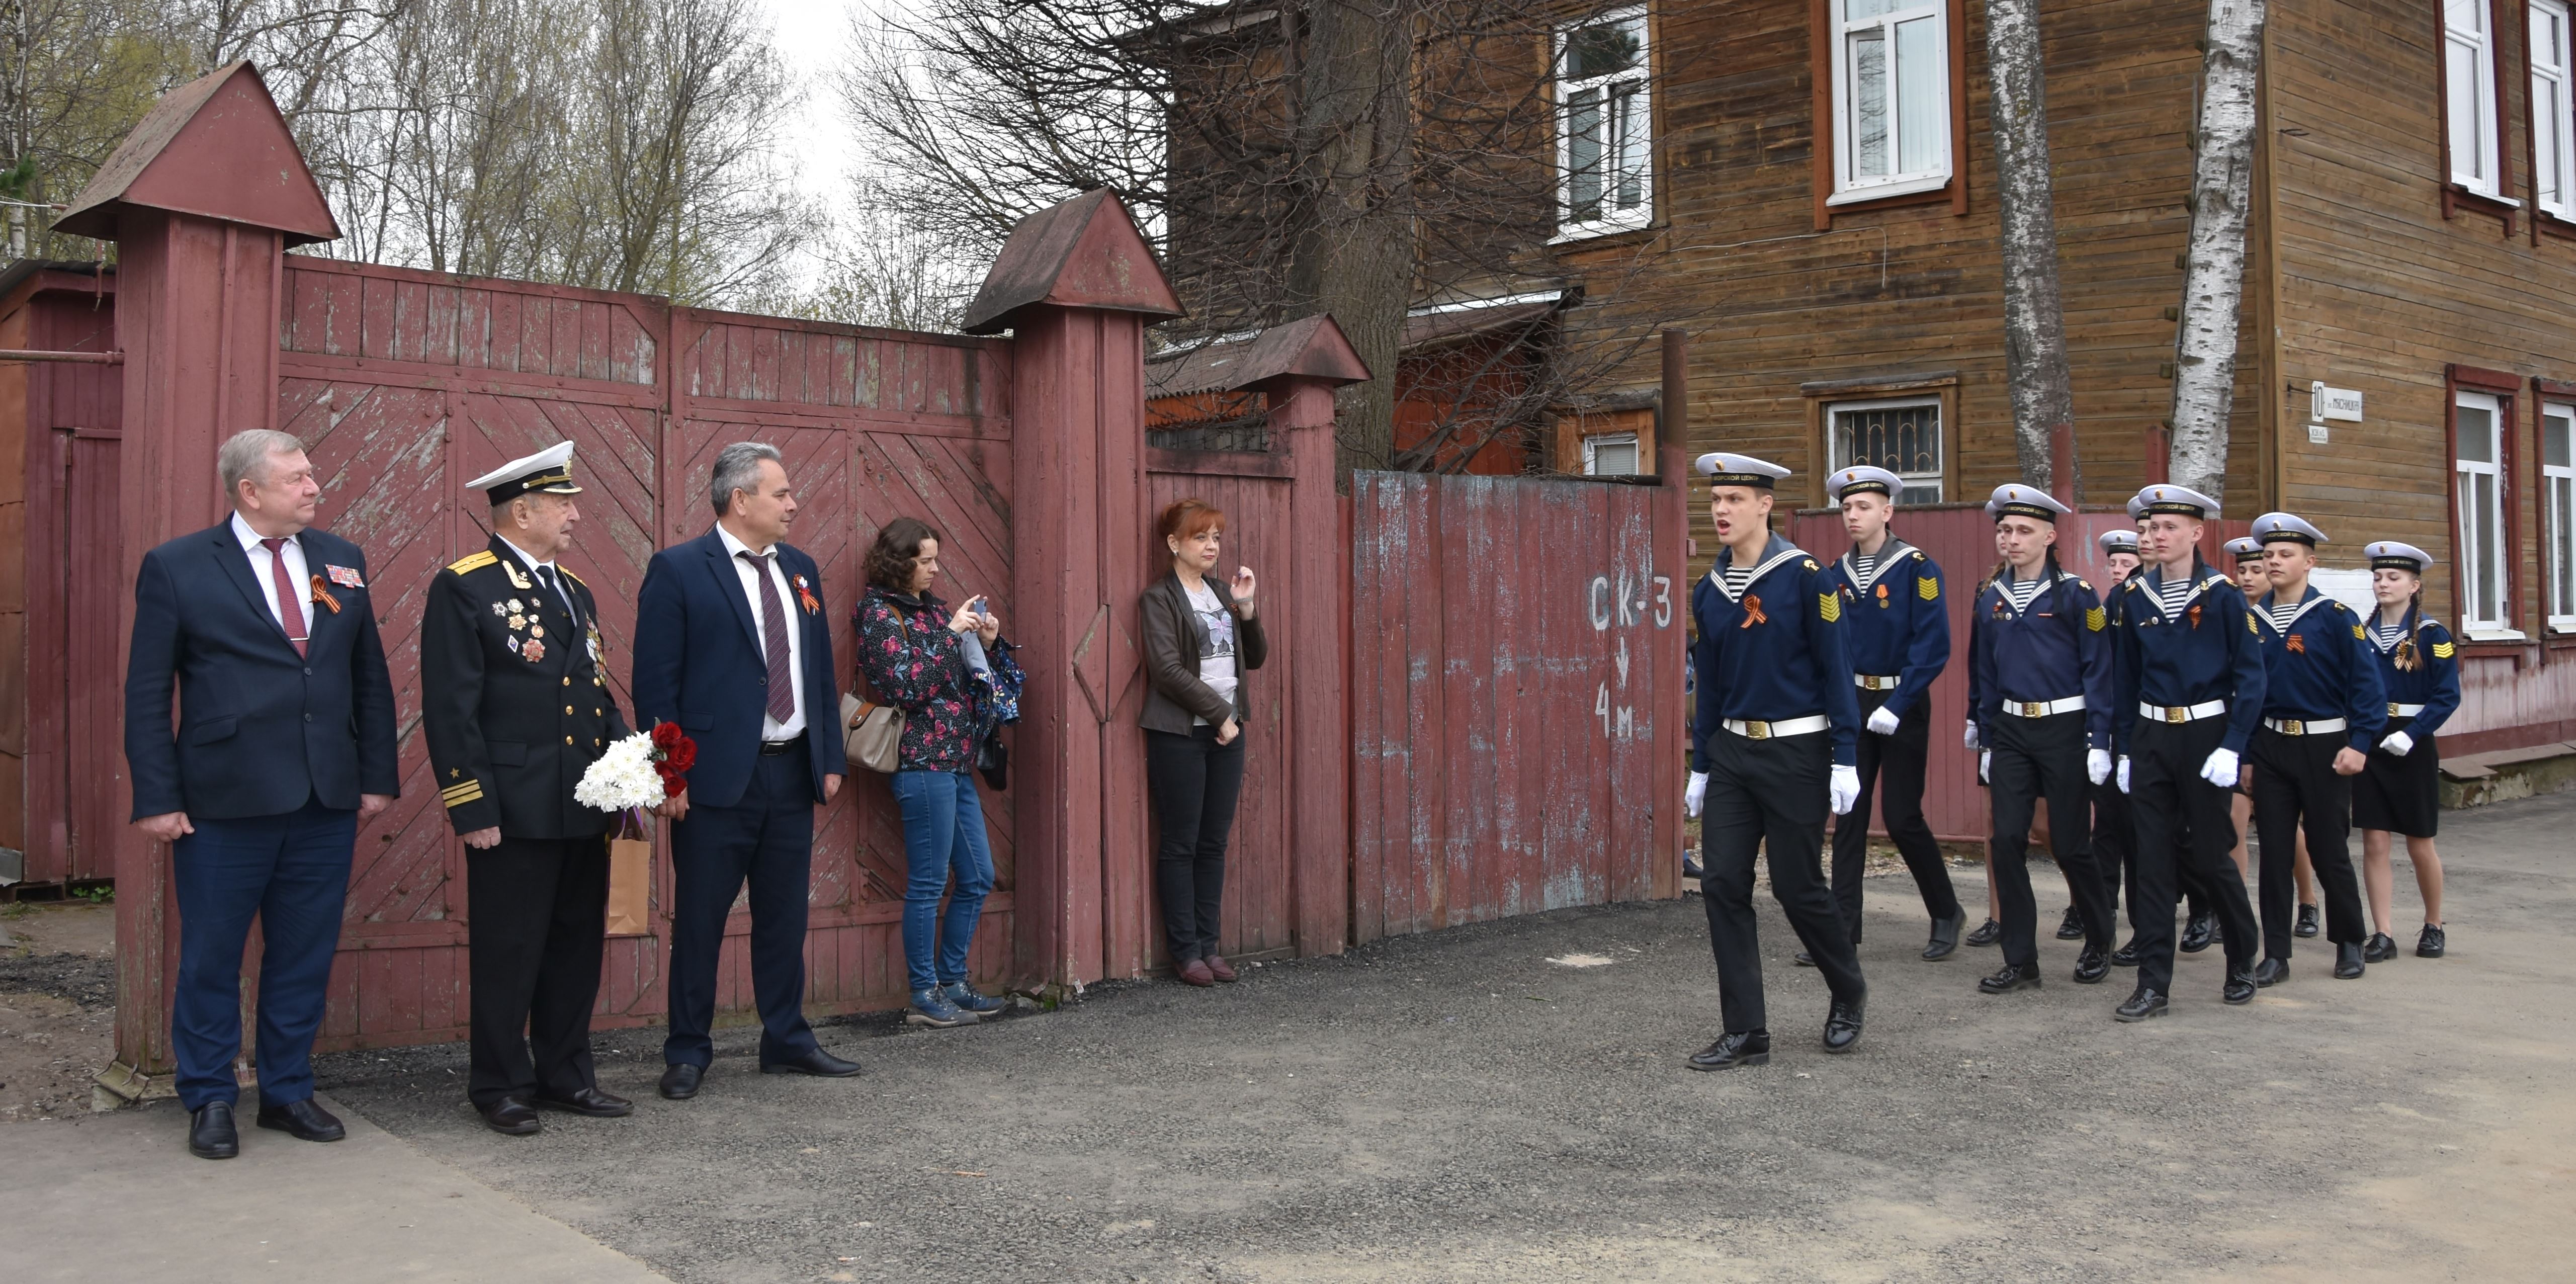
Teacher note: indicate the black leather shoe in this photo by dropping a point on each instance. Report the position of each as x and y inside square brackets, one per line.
[588, 1101]
[2271, 972]
[2429, 945]
[1803, 959]
[1988, 934]
[1842, 1024]
[2090, 967]
[1747, 1048]
[680, 1082]
[211, 1134]
[2126, 955]
[816, 1062]
[2071, 927]
[2011, 978]
[302, 1120]
[2144, 1004]
[2307, 924]
[512, 1117]
[2198, 933]
[1945, 937]
[2348, 961]
[2239, 988]
[1691, 869]
[2379, 948]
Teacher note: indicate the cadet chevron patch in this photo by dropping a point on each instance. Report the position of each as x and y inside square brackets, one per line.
[2249, 625]
[2095, 618]
[474, 561]
[1927, 588]
[2358, 635]
[1829, 605]
[2443, 650]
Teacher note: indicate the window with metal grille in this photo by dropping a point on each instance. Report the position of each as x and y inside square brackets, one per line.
[1891, 97]
[1902, 436]
[1605, 134]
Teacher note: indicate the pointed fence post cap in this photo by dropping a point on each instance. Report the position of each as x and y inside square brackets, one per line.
[1081, 253]
[216, 147]
[1308, 348]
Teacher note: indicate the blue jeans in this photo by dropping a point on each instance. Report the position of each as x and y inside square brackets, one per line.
[943, 833]
[292, 872]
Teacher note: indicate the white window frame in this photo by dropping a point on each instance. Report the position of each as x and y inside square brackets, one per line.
[2558, 518]
[1936, 478]
[1593, 443]
[2553, 78]
[2486, 149]
[2481, 616]
[1849, 187]
[1612, 219]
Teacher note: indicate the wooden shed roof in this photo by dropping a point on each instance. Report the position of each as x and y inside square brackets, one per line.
[239, 163]
[1312, 347]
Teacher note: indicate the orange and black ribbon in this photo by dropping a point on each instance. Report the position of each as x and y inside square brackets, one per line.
[1753, 612]
[2194, 615]
[322, 595]
[2299, 643]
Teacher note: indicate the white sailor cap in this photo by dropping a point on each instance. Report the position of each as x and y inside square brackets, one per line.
[549, 471]
[1864, 480]
[2117, 540]
[2012, 499]
[2245, 547]
[1723, 469]
[2393, 555]
[2273, 528]
[2182, 500]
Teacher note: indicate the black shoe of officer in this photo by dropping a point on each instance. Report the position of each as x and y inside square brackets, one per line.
[2307, 924]
[211, 1132]
[2126, 955]
[1945, 937]
[2071, 927]
[1748, 1048]
[2271, 972]
[2144, 1004]
[2240, 987]
[2090, 967]
[1842, 1024]
[2198, 933]
[2010, 978]
[1803, 959]
[1988, 934]
[2348, 961]
[1691, 869]
[2429, 945]
[2379, 948]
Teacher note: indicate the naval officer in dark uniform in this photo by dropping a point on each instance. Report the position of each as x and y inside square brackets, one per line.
[2187, 678]
[1772, 751]
[2043, 684]
[515, 709]
[1897, 627]
[2322, 714]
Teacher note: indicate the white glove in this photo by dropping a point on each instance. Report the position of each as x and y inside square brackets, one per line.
[1846, 788]
[2097, 765]
[1882, 722]
[1985, 759]
[1694, 793]
[2124, 773]
[2398, 743]
[1969, 741]
[2220, 770]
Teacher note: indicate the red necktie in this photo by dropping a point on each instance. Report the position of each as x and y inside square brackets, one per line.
[773, 638]
[290, 604]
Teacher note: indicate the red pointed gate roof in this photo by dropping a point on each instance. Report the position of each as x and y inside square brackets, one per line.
[215, 147]
[1082, 253]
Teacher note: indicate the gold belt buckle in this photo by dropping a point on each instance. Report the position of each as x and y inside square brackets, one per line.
[2392, 710]
[1878, 684]
[2293, 727]
[2177, 714]
[2032, 709]
[1757, 731]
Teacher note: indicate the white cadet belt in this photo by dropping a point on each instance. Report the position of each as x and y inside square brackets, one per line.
[1773, 730]
[2404, 710]
[2294, 727]
[1873, 682]
[2182, 713]
[2043, 708]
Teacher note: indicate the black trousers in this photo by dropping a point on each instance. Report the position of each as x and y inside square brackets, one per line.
[2115, 836]
[767, 841]
[1771, 796]
[2037, 758]
[1891, 767]
[2295, 787]
[2185, 827]
[537, 909]
[1194, 783]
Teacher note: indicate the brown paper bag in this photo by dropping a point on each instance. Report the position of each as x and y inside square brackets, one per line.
[630, 881]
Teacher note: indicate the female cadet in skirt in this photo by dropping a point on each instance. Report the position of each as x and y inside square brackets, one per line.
[2397, 791]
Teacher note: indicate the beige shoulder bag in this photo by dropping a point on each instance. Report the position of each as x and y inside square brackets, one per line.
[871, 734]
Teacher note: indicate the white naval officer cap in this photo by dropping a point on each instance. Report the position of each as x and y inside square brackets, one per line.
[2245, 547]
[1862, 479]
[549, 471]
[2012, 499]
[2273, 528]
[2392, 555]
[2164, 497]
[1724, 469]
[2117, 540]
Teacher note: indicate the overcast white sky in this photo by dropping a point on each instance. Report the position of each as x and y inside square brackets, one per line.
[812, 35]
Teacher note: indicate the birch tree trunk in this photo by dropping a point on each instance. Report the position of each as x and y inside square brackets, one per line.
[2213, 286]
[2043, 399]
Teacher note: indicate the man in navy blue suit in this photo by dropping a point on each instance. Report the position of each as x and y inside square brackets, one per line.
[732, 642]
[266, 632]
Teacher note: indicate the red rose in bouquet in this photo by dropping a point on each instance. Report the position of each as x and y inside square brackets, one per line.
[673, 754]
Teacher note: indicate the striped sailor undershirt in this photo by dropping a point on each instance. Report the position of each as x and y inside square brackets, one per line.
[2388, 634]
[2019, 592]
[2283, 613]
[1738, 579]
[2171, 594]
[1864, 565]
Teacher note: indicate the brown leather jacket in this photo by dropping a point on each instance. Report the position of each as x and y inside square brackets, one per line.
[1174, 639]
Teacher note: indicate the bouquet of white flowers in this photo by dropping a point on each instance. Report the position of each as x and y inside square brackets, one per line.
[625, 777]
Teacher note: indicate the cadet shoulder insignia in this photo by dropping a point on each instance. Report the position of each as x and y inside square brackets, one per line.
[2134, 584]
[1926, 587]
[2358, 634]
[1829, 605]
[1810, 563]
[2095, 618]
[474, 561]
[2084, 584]
[2444, 650]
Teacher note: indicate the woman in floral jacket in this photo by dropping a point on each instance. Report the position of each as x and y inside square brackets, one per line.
[951, 674]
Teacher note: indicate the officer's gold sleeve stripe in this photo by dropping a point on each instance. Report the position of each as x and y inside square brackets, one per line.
[1927, 588]
[459, 800]
[469, 787]
[472, 561]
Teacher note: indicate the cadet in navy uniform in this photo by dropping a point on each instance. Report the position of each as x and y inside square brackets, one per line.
[1898, 631]
[2043, 669]
[1772, 749]
[2113, 836]
[509, 664]
[2322, 712]
[2397, 792]
[2187, 692]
